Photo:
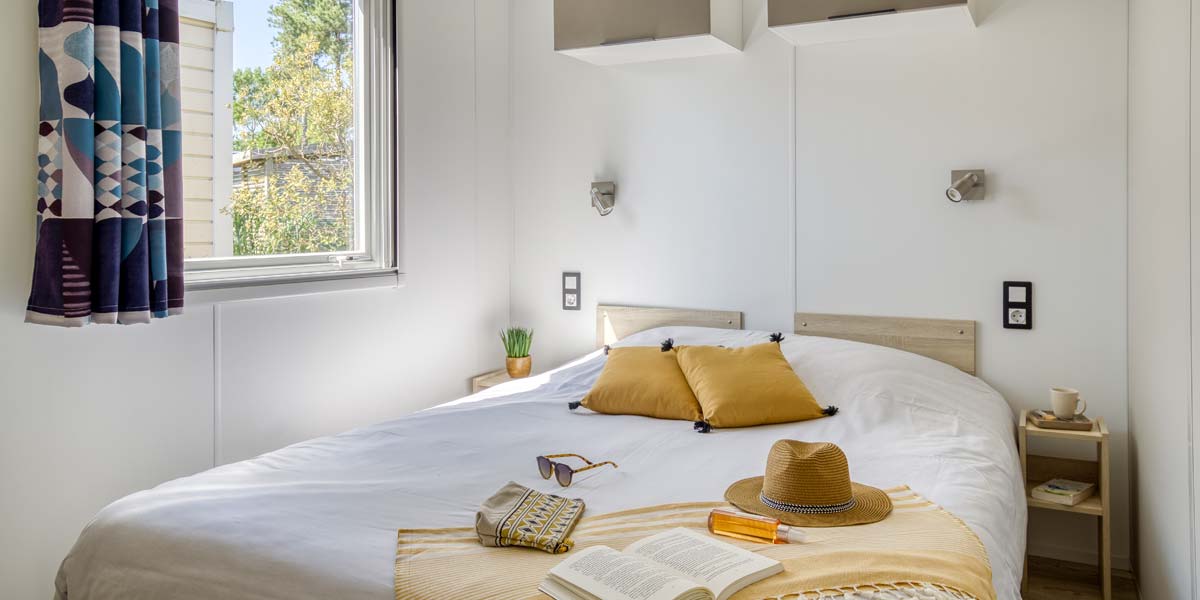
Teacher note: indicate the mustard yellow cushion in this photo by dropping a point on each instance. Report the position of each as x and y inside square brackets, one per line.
[643, 381]
[744, 387]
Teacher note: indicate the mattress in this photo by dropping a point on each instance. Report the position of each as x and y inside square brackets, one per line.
[318, 519]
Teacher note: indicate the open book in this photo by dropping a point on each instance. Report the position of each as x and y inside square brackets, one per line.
[679, 564]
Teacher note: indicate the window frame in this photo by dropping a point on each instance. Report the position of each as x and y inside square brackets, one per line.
[376, 177]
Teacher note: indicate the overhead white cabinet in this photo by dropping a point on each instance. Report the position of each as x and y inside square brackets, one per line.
[811, 22]
[612, 32]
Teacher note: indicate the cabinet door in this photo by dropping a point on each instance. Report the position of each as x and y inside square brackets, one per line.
[791, 12]
[590, 23]
[679, 18]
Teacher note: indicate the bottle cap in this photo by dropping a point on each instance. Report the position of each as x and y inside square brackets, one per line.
[786, 535]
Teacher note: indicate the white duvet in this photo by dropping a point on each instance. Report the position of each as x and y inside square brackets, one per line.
[319, 519]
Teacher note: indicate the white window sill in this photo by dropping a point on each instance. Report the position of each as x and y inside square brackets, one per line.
[283, 286]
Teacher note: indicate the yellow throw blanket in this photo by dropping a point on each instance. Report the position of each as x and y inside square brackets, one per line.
[919, 546]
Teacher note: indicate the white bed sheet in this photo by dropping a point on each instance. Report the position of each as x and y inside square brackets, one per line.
[319, 519]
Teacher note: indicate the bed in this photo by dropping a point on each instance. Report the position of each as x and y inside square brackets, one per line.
[319, 519]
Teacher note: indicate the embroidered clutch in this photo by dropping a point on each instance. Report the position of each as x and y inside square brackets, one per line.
[519, 516]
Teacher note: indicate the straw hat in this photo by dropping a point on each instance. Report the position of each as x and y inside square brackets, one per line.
[808, 484]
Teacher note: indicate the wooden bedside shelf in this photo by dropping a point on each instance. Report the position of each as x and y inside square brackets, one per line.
[489, 379]
[1039, 469]
[1099, 431]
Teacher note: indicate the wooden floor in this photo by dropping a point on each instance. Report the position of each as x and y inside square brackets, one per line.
[1051, 579]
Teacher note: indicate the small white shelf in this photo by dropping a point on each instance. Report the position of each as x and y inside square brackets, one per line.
[955, 17]
[616, 32]
[652, 50]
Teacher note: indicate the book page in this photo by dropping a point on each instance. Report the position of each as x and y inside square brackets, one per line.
[721, 568]
[607, 574]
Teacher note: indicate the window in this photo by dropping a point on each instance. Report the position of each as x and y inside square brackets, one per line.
[285, 179]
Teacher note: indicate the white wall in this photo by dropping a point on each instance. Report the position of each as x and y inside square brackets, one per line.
[1160, 281]
[1037, 96]
[701, 151]
[89, 416]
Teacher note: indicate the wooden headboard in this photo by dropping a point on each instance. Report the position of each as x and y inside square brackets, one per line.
[616, 322]
[952, 342]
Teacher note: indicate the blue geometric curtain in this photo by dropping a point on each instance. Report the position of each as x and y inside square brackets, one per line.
[110, 206]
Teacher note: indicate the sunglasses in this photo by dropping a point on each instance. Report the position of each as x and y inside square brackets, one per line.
[565, 473]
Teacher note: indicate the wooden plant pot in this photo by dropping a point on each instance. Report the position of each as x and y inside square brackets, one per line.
[518, 367]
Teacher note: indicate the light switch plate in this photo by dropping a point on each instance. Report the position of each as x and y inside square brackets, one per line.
[1018, 305]
[571, 295]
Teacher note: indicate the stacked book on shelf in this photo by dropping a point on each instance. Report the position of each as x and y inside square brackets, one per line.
[1063, 491]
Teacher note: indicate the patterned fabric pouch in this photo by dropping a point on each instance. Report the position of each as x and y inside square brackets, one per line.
[519, 516]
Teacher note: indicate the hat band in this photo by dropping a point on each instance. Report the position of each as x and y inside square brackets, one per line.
[807, 509]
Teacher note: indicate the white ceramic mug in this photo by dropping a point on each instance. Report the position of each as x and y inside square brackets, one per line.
[1065, 402]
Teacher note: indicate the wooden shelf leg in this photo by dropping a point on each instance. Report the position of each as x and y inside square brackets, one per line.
[1025, 577]
[1105, 545]
[1022, 448]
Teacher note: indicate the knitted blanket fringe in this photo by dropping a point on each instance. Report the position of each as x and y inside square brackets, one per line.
[911, 590]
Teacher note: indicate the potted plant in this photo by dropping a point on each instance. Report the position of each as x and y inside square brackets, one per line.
[517, 341]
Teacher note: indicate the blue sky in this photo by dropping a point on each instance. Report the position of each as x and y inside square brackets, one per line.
[252, 37]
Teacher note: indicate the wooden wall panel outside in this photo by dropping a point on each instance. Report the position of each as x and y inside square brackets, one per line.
[196, 64]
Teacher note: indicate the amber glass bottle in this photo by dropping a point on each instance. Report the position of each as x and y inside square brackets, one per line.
[752, 528]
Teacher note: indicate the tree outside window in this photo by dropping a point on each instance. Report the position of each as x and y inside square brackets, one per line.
[293, 136]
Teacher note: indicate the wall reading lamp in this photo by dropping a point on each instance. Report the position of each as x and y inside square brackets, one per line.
[604, 197]
[966, 185]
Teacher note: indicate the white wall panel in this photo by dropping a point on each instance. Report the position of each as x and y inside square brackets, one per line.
[297, 368]
[699, 149]
[88, 416]
[1160, 279]
[1037, 97]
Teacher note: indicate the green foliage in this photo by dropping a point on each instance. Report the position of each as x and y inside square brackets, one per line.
[251, 92]
[299, 106]
[517, 341]
[294, 103]
[292, 217]
[326, 21]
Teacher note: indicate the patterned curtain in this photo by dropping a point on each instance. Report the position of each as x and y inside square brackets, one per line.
[110, 205]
